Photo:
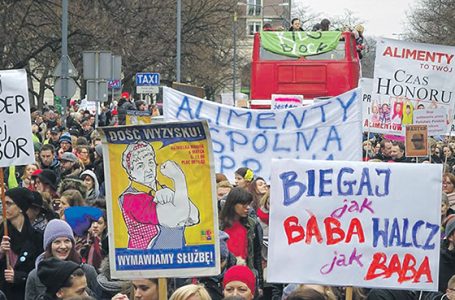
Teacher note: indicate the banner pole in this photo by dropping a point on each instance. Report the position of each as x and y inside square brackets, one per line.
[349, 293]
[5, 227]
[162, 288]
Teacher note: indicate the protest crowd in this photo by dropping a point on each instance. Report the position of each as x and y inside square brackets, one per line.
[57, 241]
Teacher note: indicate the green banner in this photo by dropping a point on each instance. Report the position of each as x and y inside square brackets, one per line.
[299, 43]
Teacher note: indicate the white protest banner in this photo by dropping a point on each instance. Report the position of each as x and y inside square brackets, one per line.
[286, 101]
[16, 145]
[247, 137]
[436, 120]
[410, 76]
[366, 85]
[355, 224]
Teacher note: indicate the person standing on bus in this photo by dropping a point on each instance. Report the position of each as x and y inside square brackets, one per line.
[325, 24]
[295, 25]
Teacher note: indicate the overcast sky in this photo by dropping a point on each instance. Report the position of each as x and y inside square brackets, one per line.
[382, 17]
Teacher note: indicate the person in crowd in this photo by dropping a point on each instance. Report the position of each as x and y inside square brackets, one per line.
[145, 289]
[448, 187]
[448, 156]
[257, 188]
[263, 213]
[446, 213]
[96, 247]
[22, 246]
[245, 240]
[295, 25]
[36, 131]
[68, 198]
[98, 168]
[397, 152]
[384, 151]
[65, 144]
[360, 40]
[435, 153]
[190, 292]
[26, 178]
[45, 182]
[243, 177]
[325, 25]
[40, 212]
[48, 159]
[447, 256]
[83, 153]
[222, 189]
[328, 292]
[239, 281]
[54, 139]
[70, 166]
[124, 105]
[87, 129]
[221, 177]
[109, 287]
[59, 243]
[306, 294]
[61, 279]
[214, 284]
[91, 182]
[140, 105]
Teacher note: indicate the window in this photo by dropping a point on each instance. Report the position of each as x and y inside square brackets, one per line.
[253, 27]
[254, 8]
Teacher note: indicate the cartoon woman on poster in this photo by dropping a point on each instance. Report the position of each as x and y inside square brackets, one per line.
[375, 113]
[407, 113]
[385, 114]
[155, 216]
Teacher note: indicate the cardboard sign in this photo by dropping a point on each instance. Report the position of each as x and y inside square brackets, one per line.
[355, 224]
[162, 213]
[411, 76]
[16, 144]
[416, 144]
[286, 101]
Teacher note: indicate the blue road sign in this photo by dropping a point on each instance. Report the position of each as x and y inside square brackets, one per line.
[147, 79]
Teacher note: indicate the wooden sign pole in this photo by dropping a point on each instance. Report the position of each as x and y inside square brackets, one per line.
[162, 289]
[5, 227]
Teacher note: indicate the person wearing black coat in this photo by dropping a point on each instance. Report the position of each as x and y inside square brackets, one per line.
[22, 245]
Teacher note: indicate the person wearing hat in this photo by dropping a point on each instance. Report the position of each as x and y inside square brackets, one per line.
[70, 166]
[59, 243]
[239, 281]
[22, 245]
[123, 106]
[65, 144]
[45, 183]
[62, 279]
[39, 212]
[54, 138]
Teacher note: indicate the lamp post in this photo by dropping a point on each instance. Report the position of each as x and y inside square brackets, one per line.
[179, 38]
[234, 59]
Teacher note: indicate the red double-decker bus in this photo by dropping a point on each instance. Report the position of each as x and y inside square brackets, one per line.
[293, 69]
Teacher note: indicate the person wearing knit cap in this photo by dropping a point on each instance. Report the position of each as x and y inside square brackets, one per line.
[239, 280]
[22, 246]
[447, 256]
[243, 177]
[59, 242]
[65, 143]
[63, 279]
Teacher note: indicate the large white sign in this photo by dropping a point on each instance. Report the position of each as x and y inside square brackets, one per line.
[410, 76]
[16, 145]
[246, 137]
[355, 224]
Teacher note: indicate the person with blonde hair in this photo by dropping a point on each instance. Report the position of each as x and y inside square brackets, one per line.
[191, 292]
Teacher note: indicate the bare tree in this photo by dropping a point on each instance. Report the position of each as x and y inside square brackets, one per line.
[433, 21]
[142, 32]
